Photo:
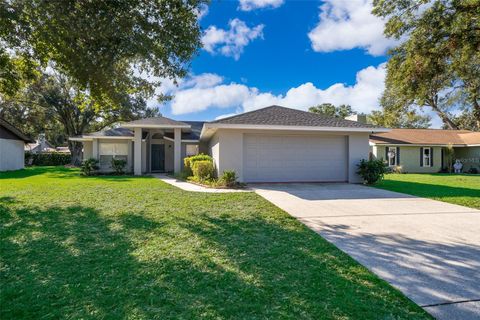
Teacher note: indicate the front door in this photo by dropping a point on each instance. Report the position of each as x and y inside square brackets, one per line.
[158, 157]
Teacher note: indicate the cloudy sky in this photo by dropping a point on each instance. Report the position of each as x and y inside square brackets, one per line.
[291, 53]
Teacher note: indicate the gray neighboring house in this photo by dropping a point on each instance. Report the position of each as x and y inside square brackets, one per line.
[273, 144]
[12, 144]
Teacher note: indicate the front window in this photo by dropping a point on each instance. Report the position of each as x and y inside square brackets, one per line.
[427, 157]
[192, 149]
[392, 156]
[108, 151]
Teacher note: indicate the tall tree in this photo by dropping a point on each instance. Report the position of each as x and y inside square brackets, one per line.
[330, 110]
[102, 46]
[438, 56]
[399, 118]
[53, 101]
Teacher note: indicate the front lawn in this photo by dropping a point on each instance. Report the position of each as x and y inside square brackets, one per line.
[454, 188]
[124, 247]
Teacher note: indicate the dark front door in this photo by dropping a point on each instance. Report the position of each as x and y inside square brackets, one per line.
[158, 157]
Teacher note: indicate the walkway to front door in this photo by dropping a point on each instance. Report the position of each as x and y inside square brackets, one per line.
[428, 249]
[158, 158]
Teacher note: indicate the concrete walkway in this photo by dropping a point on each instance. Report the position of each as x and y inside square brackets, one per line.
[429, 250]
[187, 186]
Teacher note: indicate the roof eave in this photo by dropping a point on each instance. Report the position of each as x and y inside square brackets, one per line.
[157, 126]
[211, 127]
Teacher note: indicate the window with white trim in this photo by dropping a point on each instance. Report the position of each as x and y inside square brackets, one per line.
[108, 151]
[392, 156]
[427, 157]
[191, 150]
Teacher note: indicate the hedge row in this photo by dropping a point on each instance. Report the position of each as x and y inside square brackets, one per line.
[47, 159]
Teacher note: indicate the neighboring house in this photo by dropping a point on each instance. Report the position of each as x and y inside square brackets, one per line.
[273, 144]
[12, 142]
[40, 145]
[423, 150]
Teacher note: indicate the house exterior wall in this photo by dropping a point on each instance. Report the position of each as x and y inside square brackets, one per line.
[96, 145]
[410, 158]
[226, 148]
[87, 149]
[470, 157]
[358, 149]
[12, 154]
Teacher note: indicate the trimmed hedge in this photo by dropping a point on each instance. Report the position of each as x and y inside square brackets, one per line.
[203, 169]
[47, 159]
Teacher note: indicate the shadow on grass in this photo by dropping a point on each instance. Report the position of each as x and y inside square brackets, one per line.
[74, 262]
[428, 190]
[63, 173]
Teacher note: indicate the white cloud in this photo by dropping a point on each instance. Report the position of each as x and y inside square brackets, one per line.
[225, 116]
[202, 11]
[248, 5]
[347, 24]
[230, 42]
[207, 91]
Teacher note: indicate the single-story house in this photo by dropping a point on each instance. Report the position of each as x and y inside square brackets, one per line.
[423, 150]
[40, 145]
[273, 144]
[12, 143]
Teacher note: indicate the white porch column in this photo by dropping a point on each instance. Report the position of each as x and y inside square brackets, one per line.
[177, 150]
[137, 151]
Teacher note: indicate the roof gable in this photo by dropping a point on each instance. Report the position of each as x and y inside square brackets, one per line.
[10, 128]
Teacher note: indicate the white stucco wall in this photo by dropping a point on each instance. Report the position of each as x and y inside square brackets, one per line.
[12, 154]
[87, 149]
[226, 148]
[358, 149]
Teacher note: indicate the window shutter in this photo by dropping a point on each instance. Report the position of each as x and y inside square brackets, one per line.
[421, 157]
[398, 156]
[386, 153]
[431, 157]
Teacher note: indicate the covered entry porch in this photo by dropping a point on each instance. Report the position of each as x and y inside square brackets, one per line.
[160, 144]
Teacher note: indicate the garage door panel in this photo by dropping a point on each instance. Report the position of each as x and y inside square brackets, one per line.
[283, 158]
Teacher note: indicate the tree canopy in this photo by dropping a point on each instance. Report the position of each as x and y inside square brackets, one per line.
[438, 58]
[105, 47]
[330, 110]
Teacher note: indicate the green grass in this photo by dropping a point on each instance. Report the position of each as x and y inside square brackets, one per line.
[457, 189]
[136, 248]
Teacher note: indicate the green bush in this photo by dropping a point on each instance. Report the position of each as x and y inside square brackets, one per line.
[118, 165]
[89, 166]
[47, 159]
[372, 171]
[203, 169]
[189, 161]
[229, 178]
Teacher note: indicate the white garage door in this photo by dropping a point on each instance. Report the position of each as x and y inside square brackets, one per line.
[289, 158]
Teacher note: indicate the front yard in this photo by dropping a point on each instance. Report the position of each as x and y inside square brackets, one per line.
[459, 189]
[124, 247]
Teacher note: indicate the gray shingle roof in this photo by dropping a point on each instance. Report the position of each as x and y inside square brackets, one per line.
[192, 135]
[115, 132]
[4, 123]
[281, 116]
[157, 121]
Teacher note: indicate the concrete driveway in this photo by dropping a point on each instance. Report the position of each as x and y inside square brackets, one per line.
[429, 250]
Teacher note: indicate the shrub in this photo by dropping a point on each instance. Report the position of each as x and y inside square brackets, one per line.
[118, 165]
[203, 170]
[47, 159]
[189, 161]
[89, 166]
[371, 171]
[229, 178]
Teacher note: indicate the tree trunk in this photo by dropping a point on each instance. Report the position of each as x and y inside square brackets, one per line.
[476, 112]
[446, 120]
[75, 148]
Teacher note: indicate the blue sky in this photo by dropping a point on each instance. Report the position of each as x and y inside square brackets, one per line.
[293, 53]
